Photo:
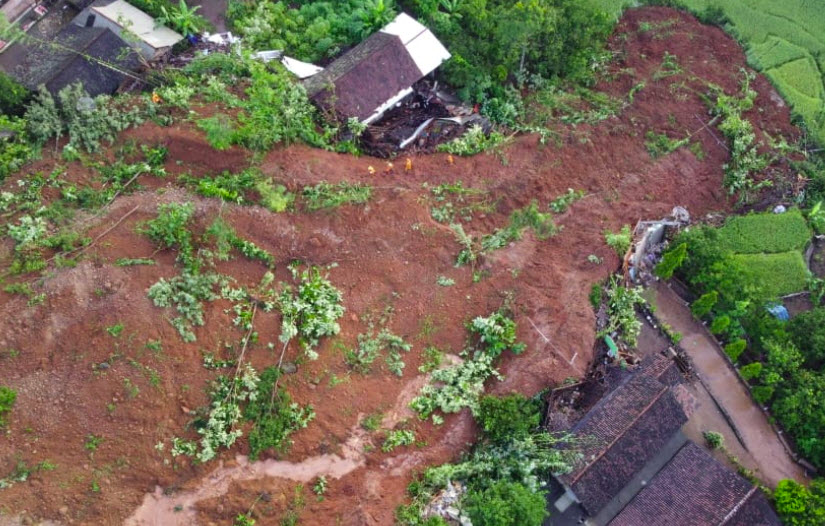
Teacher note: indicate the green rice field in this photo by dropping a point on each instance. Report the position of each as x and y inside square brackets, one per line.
[777, 274]
[785, 40]
[769, 233]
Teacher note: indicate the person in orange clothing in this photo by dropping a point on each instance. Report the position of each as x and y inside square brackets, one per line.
[408, 165]
[389, 169]
[450, 159]
[371, 170]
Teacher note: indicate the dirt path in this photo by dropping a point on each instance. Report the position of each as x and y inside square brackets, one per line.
[747, 418]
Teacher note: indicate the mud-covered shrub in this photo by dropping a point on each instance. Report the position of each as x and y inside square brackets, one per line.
[621, 312]
[7, 398]
[170, 230]
[186, 293]
[310, 312]
[274, 415]
[328, 195]
[473, 142]
[619, 241]
[85, 120]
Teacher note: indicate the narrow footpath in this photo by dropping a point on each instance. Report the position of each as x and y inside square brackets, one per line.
[748, 419]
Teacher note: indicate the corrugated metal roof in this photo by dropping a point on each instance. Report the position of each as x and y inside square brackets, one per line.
[136, 21]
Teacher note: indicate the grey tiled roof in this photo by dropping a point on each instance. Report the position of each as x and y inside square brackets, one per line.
[695, 490]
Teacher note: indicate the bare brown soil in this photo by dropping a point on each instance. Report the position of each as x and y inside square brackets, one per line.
[389, 253]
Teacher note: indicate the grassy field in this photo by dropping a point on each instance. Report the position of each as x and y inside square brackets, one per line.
[777, 274]
[786, 41]
[768, 233]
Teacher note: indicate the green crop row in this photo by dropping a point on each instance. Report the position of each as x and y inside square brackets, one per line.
[770, 233]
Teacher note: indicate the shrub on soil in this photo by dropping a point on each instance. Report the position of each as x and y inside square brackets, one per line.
[7, 399]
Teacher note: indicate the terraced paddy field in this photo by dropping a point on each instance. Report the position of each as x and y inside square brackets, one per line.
[785, 40]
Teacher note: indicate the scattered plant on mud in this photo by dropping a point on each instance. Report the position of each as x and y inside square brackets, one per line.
[186, 293]
[370, 348]
[473, 142]
[7, 398]
[560, 204]
[327, 195]
[311, 311]
[619, 241]
[274, 415]
[453, 388]
[397, 438]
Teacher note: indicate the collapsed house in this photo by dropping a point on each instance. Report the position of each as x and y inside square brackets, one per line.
[379, 72]
[638, 467]
[130, 23]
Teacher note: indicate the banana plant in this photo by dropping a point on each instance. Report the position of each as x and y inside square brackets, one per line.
[182, 18]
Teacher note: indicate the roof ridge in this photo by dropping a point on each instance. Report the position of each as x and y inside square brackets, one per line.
[738, 506]
[630, 425]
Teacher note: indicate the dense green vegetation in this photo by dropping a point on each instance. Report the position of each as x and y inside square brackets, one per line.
[503, 474]
[785, 40]
[798, 505]
[738, 270]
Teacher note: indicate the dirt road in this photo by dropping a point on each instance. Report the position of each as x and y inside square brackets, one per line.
[747, 418]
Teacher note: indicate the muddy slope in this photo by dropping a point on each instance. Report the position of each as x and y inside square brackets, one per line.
[389, 254]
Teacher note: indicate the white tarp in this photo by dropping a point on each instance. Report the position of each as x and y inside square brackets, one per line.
[300, 69]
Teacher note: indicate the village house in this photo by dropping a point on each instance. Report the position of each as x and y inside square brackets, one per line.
[92, 56]
[132, 25]
[379, 72]
[639, 468]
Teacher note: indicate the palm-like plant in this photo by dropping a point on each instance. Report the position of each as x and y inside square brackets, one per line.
[182, 18]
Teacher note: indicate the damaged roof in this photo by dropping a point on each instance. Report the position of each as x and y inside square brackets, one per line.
[368, 79]
[621, 433]
[695, 490]
[64, 62]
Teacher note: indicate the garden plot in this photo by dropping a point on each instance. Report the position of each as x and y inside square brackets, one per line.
[769, 246]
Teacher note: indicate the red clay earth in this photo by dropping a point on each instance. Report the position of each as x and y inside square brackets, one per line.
[389, 253]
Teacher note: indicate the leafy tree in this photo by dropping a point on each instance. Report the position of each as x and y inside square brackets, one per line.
[506, 504]
[508, 417]
[671, 261]
[798, 505]
[807, 331]
[735, 348]
[702, 306]
[720, 324]
[12, 95]
[751, 371]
